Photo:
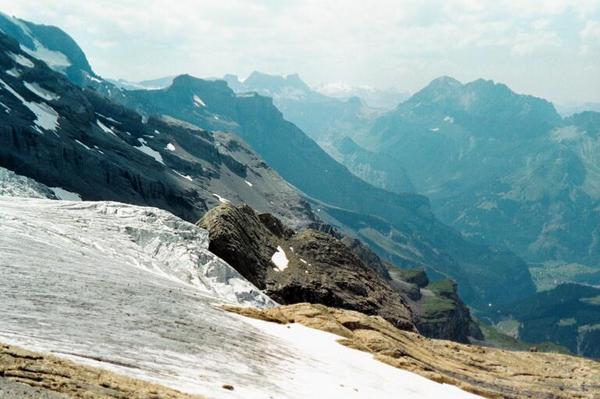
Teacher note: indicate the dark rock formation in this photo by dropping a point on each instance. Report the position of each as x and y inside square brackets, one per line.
[320, 269]
[327, 270]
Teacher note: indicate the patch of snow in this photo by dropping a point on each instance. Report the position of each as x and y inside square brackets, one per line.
[41, 92]
[6, 108]
[94, 79]
[221, 199]
[303, 261]
[187, 177]
[105, 128]
[54, 59]
[21, 60]
[156, 131]
[198, 101]
[449, 119]
[65, 195]
[98, 149]
[280, 259]
[108, 118]
[435, 129]
[83, 145]
[248, 183]
[45, 116]
[243, 95]
[14, 72]
[170, 147]
[149, 151]
[346, 373]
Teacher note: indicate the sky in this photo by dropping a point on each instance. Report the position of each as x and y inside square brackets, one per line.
[548, 48]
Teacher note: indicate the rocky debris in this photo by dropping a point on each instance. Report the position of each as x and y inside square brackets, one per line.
[489, 372]
[26, 374]
[320, 268]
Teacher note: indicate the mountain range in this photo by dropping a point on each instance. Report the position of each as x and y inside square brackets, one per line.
[505, 169]
[339, 182]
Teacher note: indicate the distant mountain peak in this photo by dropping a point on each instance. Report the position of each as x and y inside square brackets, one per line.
[445, 81]
[276, 83]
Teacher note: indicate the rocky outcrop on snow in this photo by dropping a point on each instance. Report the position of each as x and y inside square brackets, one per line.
[305, 266]
[491, 373]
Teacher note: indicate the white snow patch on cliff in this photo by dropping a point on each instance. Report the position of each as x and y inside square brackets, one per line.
[14, 72]
[149, 151]
[198, 101]
[54, 59]
[41, 92]
[170, 147]
[187, 177]
[82, 144]
[280, 259]
[45, 116]
[222, 200]
[105, 128]
[21, 60]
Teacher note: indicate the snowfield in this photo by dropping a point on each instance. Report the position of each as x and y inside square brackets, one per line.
[135, 290]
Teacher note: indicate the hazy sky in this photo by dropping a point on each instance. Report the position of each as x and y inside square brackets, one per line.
[549, 48]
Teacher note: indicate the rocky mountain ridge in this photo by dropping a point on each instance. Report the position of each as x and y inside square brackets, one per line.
[311, 266]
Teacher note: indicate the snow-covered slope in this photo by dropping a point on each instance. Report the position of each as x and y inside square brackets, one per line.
[13, 185]
[134, 289]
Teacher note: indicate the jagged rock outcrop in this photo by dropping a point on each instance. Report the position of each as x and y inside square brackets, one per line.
[312, 266]
[489, 372]
[438, 311]
[336, 271]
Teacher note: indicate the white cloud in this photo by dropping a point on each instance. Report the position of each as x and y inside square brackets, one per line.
[383, 42]
[590, 37]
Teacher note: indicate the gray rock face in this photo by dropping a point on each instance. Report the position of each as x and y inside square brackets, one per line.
[63, 136]
[317, 268]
